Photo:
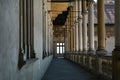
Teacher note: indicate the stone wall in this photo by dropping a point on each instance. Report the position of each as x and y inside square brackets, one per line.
[9, 43]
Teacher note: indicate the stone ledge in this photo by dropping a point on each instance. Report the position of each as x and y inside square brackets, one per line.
[29, 62]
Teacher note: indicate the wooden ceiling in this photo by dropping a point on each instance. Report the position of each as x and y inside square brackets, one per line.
[61, 0]
[57, 8]
[59, 12]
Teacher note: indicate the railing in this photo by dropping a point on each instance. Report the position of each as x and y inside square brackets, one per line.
[101, 65]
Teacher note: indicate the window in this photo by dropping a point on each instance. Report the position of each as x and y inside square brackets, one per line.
[26, 32]
[61, 51]
[60, 48]
[58, 44]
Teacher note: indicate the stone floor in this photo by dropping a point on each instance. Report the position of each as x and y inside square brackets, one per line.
[61, 69]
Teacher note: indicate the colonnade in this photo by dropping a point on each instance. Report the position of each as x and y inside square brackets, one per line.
[82, 30]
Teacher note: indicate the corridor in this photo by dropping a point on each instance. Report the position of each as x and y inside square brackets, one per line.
[62, 69]
[59, 39]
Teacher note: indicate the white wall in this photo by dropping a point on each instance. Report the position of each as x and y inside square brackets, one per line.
[9, 43]
[110, 44]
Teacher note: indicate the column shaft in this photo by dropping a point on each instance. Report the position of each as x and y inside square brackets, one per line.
[116, 52]
[84, 31]
[117, 20]
[69, 39]
[73, 39]
[84, 26]
[76, 27]
[77, 45]
[71, 36]
[101, 25]
[66, 41]
[80, 26]
[91, 25]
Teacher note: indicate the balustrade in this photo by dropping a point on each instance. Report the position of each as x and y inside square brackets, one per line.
[100, 65]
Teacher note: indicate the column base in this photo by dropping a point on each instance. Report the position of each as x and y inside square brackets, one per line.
[101, 52]
[79, 51]
[116, 65]
[91, 52]
[76, 52]
[84, 51]
[21, 61]
[33, 55]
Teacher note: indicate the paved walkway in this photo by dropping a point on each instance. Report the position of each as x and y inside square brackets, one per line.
[61, 69]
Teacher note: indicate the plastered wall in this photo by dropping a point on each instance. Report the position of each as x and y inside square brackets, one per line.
[9, 43]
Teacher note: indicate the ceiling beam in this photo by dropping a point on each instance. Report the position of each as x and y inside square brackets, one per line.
[61, 0]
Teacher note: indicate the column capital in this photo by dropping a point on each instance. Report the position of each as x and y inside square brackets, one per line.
[85, 12]
[71, 29]
[76, 21]
[91, 1]
[79, 18]
[67, 29]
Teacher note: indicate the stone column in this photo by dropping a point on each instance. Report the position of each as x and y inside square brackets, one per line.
[80, 26]
[91, 26]
[71, 39]
[101, 28]
[66, 41]
[76, 43]
[76, 25]
[116, 52]
[84, 27]
[74, 38]
[68, 35]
